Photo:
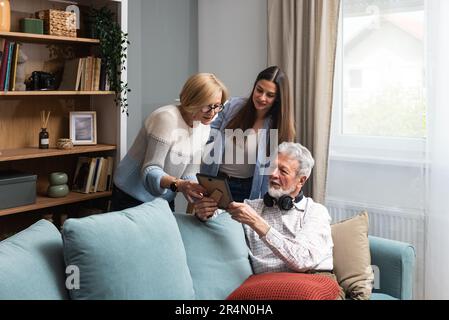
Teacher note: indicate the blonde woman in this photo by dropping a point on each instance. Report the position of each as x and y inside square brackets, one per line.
[166, 154]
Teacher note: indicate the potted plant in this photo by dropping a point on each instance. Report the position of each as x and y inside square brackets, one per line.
[113, 51]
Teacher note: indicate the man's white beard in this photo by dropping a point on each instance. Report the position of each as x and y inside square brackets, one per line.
[277, 193]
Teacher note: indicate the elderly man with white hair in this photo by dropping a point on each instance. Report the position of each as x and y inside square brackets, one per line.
[286, 231]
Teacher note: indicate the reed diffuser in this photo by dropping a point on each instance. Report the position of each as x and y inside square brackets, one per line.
[44, 140]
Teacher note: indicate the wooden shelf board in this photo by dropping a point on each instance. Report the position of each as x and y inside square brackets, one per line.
[56, 93]
[32, 153]
[43, 202]
[44, 38]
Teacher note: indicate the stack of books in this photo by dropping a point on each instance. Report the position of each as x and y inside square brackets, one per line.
[93, 174]
[8, 64]
[84, 74]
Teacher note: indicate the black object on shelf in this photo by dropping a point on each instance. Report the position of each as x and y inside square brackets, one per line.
[44, 140]
[40, 80]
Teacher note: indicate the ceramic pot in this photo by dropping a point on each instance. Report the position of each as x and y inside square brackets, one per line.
[58, 191]
[57, 178]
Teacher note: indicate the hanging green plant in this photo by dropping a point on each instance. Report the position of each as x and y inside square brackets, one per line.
[113, 51]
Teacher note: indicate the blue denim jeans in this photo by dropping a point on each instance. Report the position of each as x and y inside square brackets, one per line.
[122, 200]
[240, 188]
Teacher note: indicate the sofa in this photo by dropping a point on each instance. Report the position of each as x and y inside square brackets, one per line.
[147, 252]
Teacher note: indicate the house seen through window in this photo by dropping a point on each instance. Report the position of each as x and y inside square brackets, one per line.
[382, 69]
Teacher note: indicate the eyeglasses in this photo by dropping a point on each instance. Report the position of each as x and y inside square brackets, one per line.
[216, 107]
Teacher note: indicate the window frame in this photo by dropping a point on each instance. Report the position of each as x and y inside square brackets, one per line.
[402, 149]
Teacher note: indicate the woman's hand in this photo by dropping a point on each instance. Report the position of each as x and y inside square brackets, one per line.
[205, 208]
[191, 190]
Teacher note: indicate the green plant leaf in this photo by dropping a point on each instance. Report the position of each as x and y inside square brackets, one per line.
[113, 47]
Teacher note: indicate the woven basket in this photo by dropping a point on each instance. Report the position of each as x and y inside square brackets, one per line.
[58, 23]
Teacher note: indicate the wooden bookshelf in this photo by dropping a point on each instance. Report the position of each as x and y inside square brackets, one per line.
[43, 201]
[20, 120]
[33, 153]
[43, 38]
[55, 93]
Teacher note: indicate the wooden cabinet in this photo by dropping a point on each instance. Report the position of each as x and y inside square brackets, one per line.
[20, 114]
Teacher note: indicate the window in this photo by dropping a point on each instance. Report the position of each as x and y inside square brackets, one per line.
[355, 79]
[380, 83]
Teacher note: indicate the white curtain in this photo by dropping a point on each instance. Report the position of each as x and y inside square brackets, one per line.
[437, 235]
[377, 163]
[404, 186]
[302, 39]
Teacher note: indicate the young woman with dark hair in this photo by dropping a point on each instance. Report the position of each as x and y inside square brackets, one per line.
[268, 107]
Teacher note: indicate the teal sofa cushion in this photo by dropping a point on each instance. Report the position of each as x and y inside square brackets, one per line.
[217, 254]
[32, 264]
[136, 253]
[381, 296]
[394, 265]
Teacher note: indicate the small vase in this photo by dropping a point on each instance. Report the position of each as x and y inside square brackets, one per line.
[5, 15]
[58, 187]
[57, 178]
[44, 140]
[58, 191]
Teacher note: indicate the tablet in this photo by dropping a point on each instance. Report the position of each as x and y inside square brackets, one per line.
[217, 188]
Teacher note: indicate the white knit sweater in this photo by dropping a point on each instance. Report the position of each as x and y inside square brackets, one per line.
[165, 145]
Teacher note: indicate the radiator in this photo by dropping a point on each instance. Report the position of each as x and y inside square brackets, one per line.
[390, 223]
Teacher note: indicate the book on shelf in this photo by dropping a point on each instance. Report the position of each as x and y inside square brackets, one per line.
[97, 70]
[93, 174]
[96, 176]
[109, 174]
[88, 71]
[15, 59]
[8, 66]
[80, 85]
[81, 174]
[90, 177]
[72, 75]
[102, 80]
[81, 74]
[5, 54]
[102, 179]
[2, 48]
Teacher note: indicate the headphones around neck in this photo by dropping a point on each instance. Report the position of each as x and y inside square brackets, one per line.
[285, 202]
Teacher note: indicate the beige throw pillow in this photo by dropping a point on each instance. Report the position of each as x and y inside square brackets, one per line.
[352, 259]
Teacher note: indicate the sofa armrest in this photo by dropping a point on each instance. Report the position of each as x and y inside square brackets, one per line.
[394, 264]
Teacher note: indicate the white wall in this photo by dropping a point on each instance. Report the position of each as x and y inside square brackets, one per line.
[172, 39]
[169, 50]
[162, 55]
[134, 69]
[232, 41]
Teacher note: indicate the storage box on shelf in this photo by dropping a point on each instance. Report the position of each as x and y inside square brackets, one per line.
[17, 189]
[58, 23]
[30, 25]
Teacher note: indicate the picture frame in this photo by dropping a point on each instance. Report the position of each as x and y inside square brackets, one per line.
[83, 127]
